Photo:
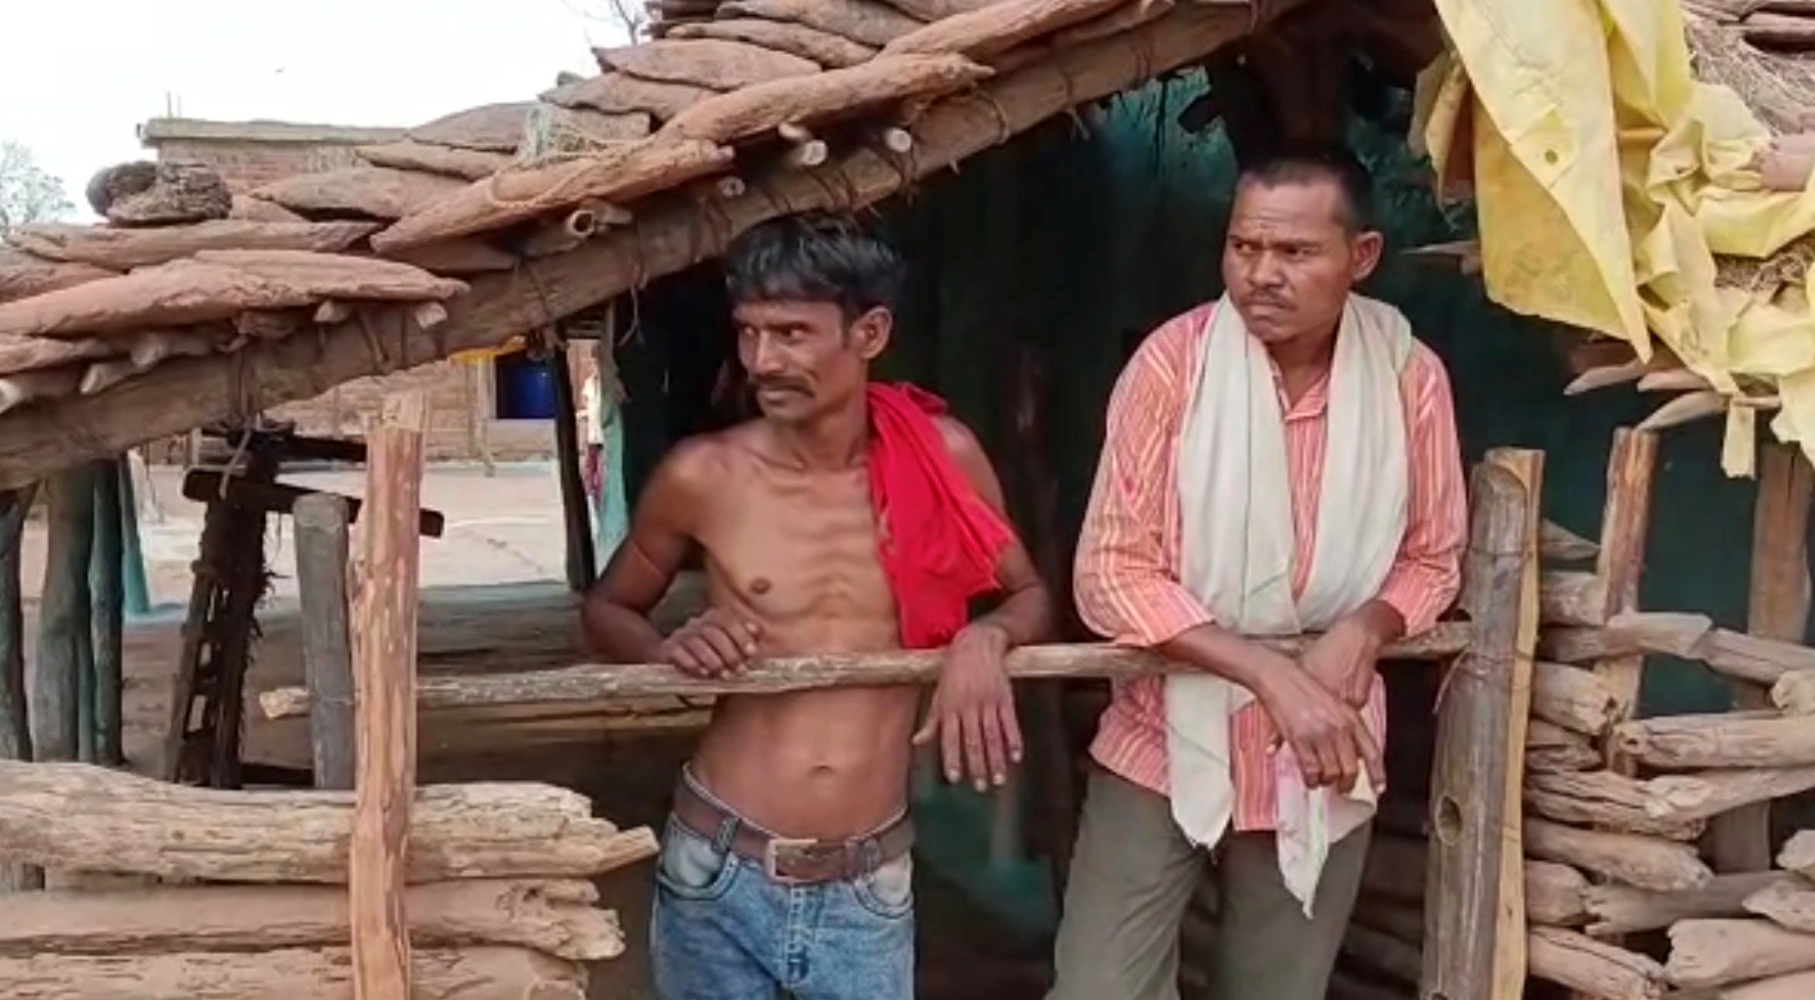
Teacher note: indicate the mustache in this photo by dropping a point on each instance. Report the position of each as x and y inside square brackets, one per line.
[773, 382]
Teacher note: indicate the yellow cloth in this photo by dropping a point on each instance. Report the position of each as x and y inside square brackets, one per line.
[1606, 178]
[478, 354]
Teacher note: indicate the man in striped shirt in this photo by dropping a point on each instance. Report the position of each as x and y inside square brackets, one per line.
[1293, 421]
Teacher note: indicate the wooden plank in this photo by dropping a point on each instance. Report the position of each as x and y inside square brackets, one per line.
[1777, 608]
[601, 682]
[185, 393]
[107, 589]
[384, 716]
[321, 583]
[1475, 894]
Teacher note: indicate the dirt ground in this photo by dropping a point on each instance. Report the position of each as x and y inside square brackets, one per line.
[506, 528]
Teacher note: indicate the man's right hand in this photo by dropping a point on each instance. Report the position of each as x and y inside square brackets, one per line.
[712, 644]
[1327, 735]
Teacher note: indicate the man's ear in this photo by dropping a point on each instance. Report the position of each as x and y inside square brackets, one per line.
[1367, 245]
[872, 331]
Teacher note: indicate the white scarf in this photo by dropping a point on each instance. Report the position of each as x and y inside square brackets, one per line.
[1236, 509]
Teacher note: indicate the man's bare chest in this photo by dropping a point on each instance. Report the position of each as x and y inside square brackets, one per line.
[791, 550]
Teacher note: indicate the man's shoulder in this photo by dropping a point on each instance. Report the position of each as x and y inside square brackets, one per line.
[696, 461]
[1168, 347]
[959, 440]
[1424, 368]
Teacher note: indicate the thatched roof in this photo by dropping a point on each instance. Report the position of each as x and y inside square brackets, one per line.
[1764, 51]
[195, 305]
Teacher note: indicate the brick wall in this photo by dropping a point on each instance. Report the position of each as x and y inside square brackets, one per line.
[246, 164]
[251, 154]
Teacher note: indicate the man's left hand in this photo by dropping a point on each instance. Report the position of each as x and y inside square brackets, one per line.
[973, 709]
[1344, 660]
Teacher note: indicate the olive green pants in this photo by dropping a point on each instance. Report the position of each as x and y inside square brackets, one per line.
[1132, 876]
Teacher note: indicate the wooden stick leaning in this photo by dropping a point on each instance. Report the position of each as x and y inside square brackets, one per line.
[603, 682]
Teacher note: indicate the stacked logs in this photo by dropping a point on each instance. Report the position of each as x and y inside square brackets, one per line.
[254, 904]
[1615, 852]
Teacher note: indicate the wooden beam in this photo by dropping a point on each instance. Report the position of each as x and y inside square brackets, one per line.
[1593, 968]
[1777, 608]
[1475, 892]
[204, 485]
[384, 716]
[1724, 739]
[182, 394]
[327, 651]
[602, 682]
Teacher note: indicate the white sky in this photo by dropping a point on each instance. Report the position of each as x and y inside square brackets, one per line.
[80, 76]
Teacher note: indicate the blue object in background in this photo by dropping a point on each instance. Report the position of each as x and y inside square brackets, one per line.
[525, 388]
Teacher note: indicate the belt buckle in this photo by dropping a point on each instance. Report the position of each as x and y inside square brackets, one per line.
[814, 852]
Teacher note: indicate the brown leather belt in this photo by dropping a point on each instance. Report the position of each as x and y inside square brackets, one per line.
[793, 860]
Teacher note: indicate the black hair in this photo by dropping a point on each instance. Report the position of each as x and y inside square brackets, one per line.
[815, 257]
[1307, 162]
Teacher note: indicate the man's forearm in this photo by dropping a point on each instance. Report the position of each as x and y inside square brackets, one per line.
[620, 634]
[1216, 650]
[1382, 621]
[1024, 617]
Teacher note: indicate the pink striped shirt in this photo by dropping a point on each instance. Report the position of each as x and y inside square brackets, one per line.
[1127, 572]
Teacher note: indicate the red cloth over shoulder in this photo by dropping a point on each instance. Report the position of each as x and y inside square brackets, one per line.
[939, 541]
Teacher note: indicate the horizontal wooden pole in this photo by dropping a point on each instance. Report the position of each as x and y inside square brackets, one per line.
[1727, 739]
[203, 485]
[604, 682]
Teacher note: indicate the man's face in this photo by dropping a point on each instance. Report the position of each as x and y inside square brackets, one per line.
[1289, 261]
[803, 358]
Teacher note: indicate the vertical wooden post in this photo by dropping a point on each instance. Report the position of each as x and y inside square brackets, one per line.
[106, 587]
[484, 374]
[1474, 913]
[580, 568]
[15, 733]
[1777, 608]
[321, 581]
[65, 622]
[1625, 524]
[384, 675]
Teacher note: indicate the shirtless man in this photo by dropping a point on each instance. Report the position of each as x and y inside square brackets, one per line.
[785, 863]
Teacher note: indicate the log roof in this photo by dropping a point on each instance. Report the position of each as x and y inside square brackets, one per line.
[194, 304]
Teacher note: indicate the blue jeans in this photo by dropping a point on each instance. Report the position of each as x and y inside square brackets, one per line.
[722, 930]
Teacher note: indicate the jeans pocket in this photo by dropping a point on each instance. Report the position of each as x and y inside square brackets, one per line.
[691, 868]
[887, 892]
